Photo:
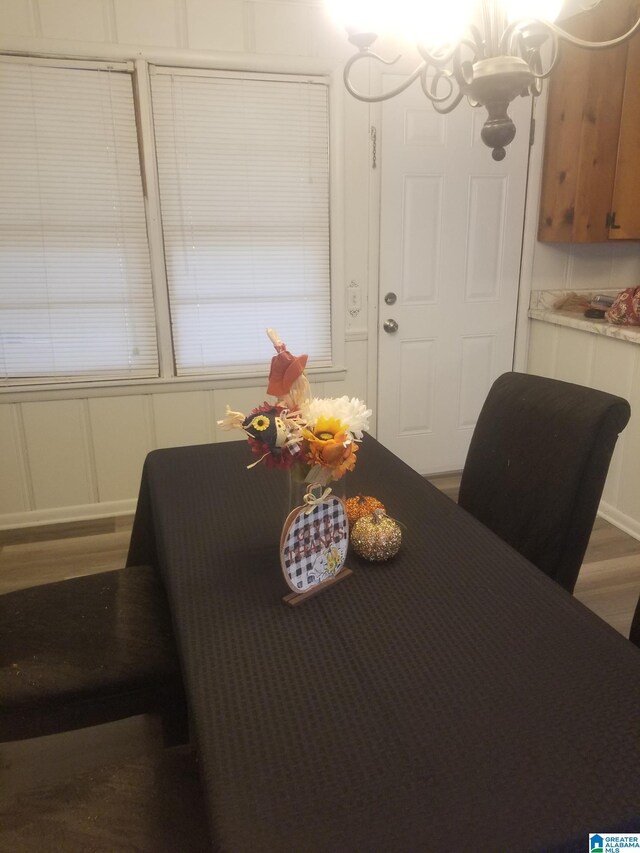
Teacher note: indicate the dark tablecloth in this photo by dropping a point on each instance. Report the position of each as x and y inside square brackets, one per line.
[452, 699]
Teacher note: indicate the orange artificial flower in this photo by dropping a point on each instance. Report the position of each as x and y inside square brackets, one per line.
[330, 446]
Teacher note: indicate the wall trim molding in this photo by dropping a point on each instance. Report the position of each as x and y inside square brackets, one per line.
[66, 514]
[110, 509]
[170, 385]
[619, 519]
[172, 56]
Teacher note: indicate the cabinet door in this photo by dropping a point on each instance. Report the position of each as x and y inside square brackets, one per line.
[626, 190]
[583, 122]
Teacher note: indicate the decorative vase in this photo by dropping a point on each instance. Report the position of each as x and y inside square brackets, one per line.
[296, 489]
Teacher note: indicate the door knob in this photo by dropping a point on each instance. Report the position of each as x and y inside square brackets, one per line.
[390, 298]
[390, 326]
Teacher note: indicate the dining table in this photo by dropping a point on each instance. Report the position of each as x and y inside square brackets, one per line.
[452, 698]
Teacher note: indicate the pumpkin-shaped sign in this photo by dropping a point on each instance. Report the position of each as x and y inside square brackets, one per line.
[314, 542]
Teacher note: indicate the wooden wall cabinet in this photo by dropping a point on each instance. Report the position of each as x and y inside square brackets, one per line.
[591, 175]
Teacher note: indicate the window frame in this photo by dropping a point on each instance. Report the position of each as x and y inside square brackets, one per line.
[190, 62]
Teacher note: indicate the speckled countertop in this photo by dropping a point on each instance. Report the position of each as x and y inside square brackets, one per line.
[541, 308]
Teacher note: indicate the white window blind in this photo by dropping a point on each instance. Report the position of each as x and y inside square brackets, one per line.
[75, 283]
[243, 167]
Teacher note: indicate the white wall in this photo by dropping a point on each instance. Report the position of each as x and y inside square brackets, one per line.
[610, 365]
[600, 266]
[578, 356]
[79, 455]
[82, 456]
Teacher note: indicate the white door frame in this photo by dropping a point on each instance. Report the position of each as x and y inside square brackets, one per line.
[530, 231]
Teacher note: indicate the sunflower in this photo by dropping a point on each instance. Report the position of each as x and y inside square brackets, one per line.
[260, 422]
[352, 414]
[330, 446]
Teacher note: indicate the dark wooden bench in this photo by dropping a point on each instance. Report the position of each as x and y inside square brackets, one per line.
[86, 651]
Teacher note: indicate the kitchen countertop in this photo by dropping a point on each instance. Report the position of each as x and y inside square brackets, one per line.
[541, 308]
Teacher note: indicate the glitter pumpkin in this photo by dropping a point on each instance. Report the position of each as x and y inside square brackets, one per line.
[361, 505]
[376, 537]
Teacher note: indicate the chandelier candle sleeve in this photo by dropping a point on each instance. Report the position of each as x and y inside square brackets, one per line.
[489, 51]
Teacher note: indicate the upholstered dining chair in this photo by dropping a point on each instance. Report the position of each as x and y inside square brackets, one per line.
[537, 464]
[634, 633]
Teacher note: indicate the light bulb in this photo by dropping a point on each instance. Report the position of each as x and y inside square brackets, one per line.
[432, 23]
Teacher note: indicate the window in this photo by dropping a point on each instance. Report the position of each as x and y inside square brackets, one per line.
[75, 284]
[243, 182]
[243, 165]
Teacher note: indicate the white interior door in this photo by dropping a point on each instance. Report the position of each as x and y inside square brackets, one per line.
[450, 246]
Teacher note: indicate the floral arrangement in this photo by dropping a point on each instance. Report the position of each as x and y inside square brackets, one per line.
[317, 439]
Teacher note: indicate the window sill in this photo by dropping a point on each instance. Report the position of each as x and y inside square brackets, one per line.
[123, 387]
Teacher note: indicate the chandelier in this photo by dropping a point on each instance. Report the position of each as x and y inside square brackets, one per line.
[489, 51]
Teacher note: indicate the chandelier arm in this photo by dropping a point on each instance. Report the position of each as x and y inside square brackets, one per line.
[458, 72]
[512, 34]
[370, 99]
[433, 59]
[478, 44]
[512, 31]
[475, 46]
[535, 89]
[429, 91]
[536, 62]
[451, 107]
[590, 45]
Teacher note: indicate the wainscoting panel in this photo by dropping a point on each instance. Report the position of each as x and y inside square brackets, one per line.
[283, 28]
[67, 460]
[239, 400]
[135, 24]
[543, 348]
[614, 375]
[84, 20]
[216, 26]
[183, 418]
[14, 491]
[58, 456]
[121, 435]
[629, 489]
[610, 365]
[17, 19]
[575, 357]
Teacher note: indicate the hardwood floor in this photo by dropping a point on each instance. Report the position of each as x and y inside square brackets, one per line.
[37, 555]
[609, 580]
[113, 788]
[106, 789]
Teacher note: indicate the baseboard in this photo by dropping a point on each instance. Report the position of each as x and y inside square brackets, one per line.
[110, 509]
[64, 514]
[624, 522]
